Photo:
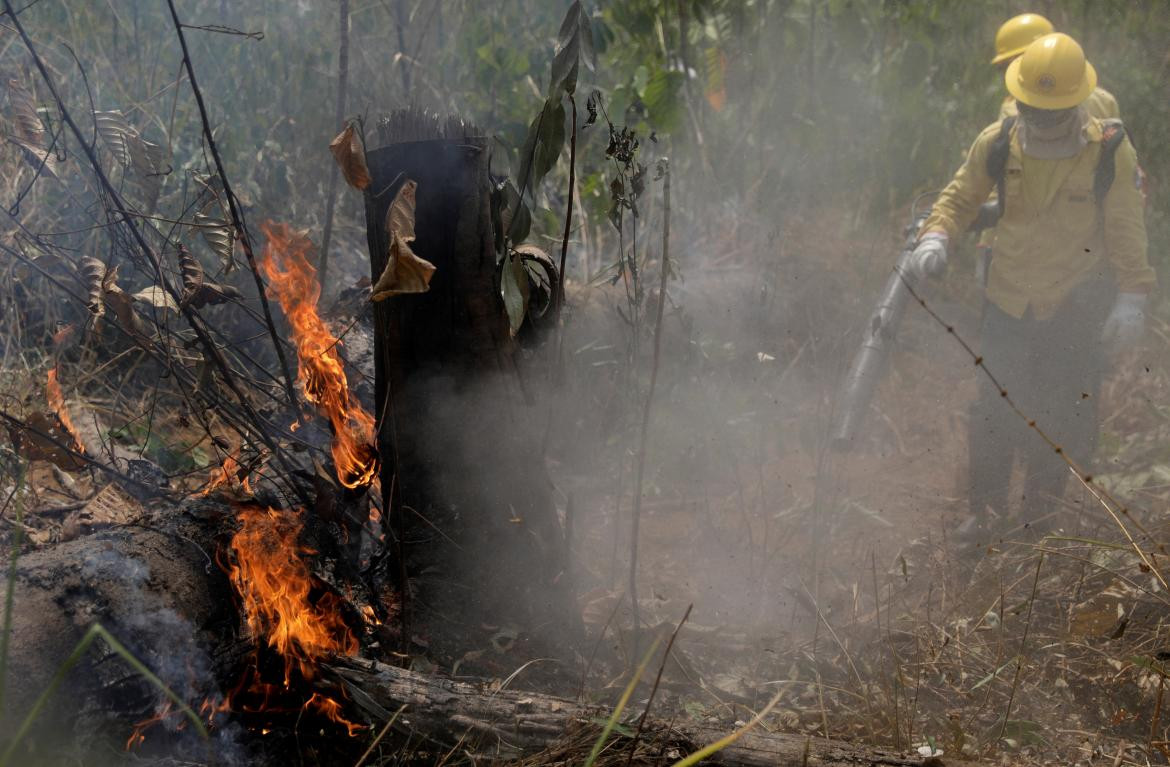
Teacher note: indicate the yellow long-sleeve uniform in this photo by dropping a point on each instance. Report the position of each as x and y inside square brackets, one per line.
[1100, 104]
[1053, 235]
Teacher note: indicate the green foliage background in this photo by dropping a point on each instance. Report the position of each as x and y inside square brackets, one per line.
[845, 105]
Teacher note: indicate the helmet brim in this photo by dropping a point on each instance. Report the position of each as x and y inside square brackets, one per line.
[1008, 55]
[1011, 79]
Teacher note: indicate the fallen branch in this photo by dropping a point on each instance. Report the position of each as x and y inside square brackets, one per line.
[513, 724]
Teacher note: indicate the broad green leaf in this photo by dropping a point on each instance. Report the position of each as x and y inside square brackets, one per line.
[514, 289]
[542, 147]
[663, 100]
[515, 218]
[567, 60]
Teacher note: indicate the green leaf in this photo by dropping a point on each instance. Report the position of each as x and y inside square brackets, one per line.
[992, 675]
[514, 289]
[663, 101]
[512, 217]
[570, 42]
[542, 147]
[620, 729]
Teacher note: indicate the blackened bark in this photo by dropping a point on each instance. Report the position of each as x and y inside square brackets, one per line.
[462, 471]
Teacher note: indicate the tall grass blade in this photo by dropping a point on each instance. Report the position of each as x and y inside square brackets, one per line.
[10, 587]
[621, 705]
[724, 742]
[96, 631]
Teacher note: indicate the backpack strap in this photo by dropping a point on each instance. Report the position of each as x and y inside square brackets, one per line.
[997, 159]
[1112, 134]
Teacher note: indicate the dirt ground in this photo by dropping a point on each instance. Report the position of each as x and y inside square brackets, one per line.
[835, 577]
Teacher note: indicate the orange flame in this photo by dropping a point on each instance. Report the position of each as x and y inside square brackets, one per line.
[222, 476]
[293, 283]
[139, 733]
[56, 399]
[274, 583]
[332, 711]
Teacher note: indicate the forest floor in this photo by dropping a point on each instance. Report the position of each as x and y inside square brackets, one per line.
[878, 628]
[831, 578]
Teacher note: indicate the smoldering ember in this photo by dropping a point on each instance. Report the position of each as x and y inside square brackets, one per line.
[584, 382]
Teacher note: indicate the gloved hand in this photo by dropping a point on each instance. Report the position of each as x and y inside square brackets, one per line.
[929, 257]
[1124, 325]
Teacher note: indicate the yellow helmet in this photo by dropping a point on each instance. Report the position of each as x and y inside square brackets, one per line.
[1017, 33]
[1051, 73]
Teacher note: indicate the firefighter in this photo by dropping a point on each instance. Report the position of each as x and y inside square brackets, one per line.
[1069, 278]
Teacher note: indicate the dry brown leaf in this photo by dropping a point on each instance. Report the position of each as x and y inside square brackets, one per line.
[405, 272]
[191, 271]
[40, 159]
[43, 440]
[111, 506]
[400, 216]
[117, 134]
[122, 306]
[157, 297]
[218, 233]
[213, 293]
[94, 273]
[24, 108]
[347, 149]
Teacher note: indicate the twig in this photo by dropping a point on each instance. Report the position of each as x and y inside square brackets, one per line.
[392, 719]
[152, 490]
[233, 208]
[848, 659]
[220, 29]
[213, 351]
[1085, 478]
[664, 166]
[654, 689]
[339, 116]
[1020, 658]
[560, 301]
[597, 644]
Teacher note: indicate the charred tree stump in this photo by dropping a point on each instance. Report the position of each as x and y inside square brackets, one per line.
[462, 472]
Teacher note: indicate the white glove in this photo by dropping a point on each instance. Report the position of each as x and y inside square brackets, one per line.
[929, 257]
[1125, 323]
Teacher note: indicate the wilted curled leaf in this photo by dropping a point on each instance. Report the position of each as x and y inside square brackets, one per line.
[218, 234]
[24, 114]
[213, 293]
[347, 149]
[94, 272]
[40, 159]
[543, 280]
[191, 271]
[122, 305]
[405, 272]
[117, 134]
[157, 297]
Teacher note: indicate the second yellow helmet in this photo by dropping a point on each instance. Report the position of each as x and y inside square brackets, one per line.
[1017, 33]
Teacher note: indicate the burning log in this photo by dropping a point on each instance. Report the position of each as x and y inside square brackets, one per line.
[154, 585]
